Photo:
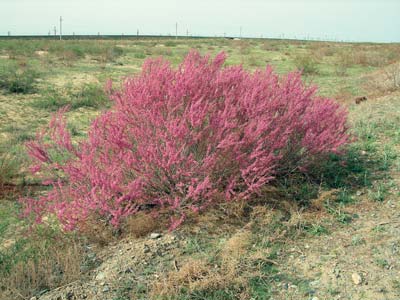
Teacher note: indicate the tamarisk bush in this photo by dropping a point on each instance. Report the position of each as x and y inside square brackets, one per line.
[183, 139]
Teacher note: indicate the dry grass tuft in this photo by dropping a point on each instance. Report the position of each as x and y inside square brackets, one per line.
[97, 231]
[344, 96]
[270, 46]
[384, 81]
[364, 56]
[195, 274]
[141, 224]
[319, 203]
[52, 266]
[243, 46]
[233, 254]
[265, 216]
[199, 274]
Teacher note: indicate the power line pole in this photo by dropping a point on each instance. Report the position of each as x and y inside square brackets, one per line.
[61, 19]
[176, 30]
[55, 31]
[240, 34]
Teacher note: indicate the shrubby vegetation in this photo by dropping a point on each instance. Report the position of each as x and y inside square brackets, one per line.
[15, 79]
[179, 140]
[89, 95]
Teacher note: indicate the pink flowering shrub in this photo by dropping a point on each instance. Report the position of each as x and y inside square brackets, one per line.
[182, 139]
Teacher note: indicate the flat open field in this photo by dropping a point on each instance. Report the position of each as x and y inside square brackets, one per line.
[344, 244]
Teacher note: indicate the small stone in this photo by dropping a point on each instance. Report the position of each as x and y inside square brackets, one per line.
[146, 249]
[314, 298]
[314, 283]
[357, 280]
[106, 289]
[69, 295]
[155, 235]
[336, 272]
[363, 152]
[359, 193]
[33, 298]
[285, 286]
[100, 276]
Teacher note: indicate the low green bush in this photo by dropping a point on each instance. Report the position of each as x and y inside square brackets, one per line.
[18, 80]
[306, 64]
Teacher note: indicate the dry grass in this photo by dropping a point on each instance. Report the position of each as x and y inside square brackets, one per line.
[384, 81]
[97, 231]
[229, 268]
[344, 96]
[195, 274]
[235, 266]
[243, 46]
[368, 57]
[141, 224]
[52, 266]
[270, 46]
[199, 274]
[233, 254]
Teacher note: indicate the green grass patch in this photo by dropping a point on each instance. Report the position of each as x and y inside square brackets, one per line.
[90, 95]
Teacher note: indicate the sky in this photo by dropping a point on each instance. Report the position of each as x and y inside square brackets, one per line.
[344, 20]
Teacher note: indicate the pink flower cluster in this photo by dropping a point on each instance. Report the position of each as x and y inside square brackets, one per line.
[182, 139]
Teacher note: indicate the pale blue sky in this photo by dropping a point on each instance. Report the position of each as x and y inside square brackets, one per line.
[356, 20]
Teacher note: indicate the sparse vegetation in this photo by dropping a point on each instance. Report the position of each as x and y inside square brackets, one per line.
[37, 264]
[18, 79]
[8, 169]
[301, 238]
[89, 95]
[306, 64]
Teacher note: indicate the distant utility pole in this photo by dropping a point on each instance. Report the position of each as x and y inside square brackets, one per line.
[55, 31]
[137, 32]
[61, 19]
[9, 33]
[187, 32]
[176, 30]
[240, 34]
